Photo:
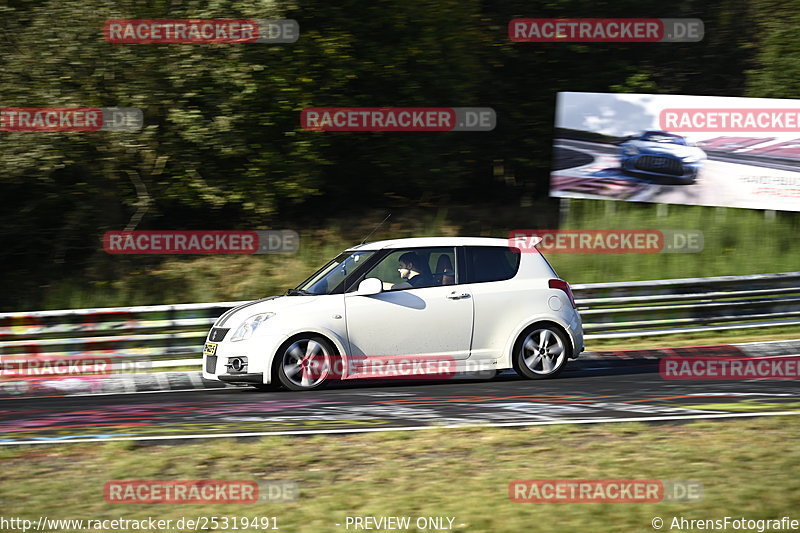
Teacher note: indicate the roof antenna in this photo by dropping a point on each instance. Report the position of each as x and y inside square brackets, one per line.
[376, 228]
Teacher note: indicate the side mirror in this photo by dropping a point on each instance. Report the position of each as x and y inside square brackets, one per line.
[369, 286]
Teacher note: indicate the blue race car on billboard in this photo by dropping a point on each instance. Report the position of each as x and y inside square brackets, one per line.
[662, 156]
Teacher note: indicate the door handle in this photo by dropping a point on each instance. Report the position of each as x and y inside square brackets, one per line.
[457, 296]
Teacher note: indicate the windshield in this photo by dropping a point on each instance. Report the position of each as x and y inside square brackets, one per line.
[327, 278]
[663, 138]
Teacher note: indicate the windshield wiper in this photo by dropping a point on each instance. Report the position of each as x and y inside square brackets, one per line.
[298, 292]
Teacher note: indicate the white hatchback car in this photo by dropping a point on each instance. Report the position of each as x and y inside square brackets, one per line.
[474, 301]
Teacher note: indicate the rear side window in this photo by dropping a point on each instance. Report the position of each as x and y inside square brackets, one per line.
[491, 263]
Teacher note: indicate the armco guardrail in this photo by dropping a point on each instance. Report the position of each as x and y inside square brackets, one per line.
[664, 307]
[143, 337]
[169, 336]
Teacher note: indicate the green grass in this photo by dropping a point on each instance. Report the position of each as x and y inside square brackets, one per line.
[748, 468]
[736, 242]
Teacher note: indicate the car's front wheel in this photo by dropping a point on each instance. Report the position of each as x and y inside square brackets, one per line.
[541, 352]
[305, 363]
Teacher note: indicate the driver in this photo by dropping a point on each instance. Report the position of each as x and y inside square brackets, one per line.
[414, 270]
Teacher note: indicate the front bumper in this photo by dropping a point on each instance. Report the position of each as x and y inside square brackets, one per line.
[241, 378]
[246, 361]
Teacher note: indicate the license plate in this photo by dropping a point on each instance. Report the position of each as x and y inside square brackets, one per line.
[210, 348]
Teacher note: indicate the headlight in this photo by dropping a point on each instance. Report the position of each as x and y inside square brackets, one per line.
[692, 158]
[249, 326]
[630, 150]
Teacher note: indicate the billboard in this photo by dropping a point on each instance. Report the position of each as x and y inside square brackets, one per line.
[678, 149]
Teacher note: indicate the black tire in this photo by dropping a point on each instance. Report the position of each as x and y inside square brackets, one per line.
[305, 362]
[541, 351]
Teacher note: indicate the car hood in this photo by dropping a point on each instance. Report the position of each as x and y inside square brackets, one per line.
[675, 150]
[273, 304]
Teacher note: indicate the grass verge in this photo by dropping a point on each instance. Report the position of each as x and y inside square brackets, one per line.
[748, 469]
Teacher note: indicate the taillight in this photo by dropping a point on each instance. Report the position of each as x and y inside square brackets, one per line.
[564, 286]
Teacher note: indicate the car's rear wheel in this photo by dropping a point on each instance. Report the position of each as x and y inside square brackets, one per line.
[305, 363]
[541, 351]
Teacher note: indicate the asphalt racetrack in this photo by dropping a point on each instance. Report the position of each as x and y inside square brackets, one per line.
[591, 390]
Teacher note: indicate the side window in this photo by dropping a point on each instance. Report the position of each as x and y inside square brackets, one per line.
[412, 268]
[490, 263]
[443, 267]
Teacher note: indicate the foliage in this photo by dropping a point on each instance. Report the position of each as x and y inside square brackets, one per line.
[223, 148]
